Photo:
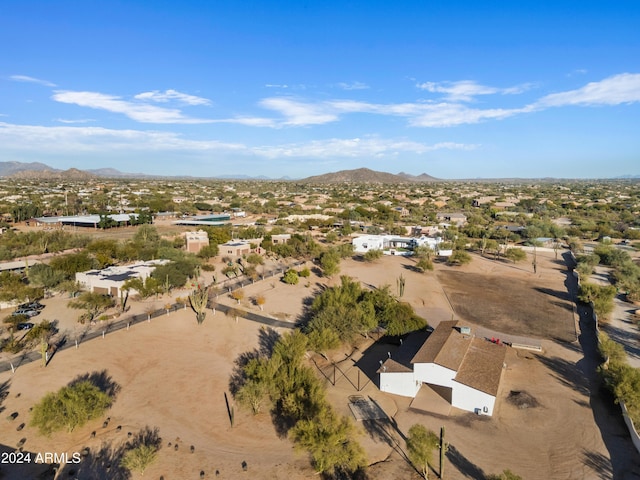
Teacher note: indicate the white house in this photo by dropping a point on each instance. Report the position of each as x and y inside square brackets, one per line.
[431, 242]
[109, 281]
[464, 369]
[396, 245]
[365, 243]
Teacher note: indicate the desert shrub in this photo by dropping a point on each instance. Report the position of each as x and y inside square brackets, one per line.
[70, 407]
[372, 255]
[290, 277]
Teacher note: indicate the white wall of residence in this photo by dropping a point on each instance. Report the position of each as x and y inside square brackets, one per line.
[431, 242]
[472, 400]
[365, 243]
[399, 383]
[435, 374]
[407, 384]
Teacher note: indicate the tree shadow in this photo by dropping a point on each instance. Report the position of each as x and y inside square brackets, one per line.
[554, 293]
[360, 474]
[105, 462]
[464, 465]
[566, 373]
[4, 393]
[267, 339]
[412, 268]
[238, 377]
[598, 463]
[146, 436]
[629, 340]
[282, 422]
[102, 464]
[101, 379]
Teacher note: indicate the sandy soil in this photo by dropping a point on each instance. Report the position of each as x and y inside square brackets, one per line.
[173, 375]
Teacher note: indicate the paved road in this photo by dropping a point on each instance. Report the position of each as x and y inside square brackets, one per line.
[624, 458]
[620, 326]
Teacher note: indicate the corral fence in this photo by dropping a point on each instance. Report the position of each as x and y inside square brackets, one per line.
[335, 374]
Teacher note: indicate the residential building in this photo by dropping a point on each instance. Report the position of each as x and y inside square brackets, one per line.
[463, 369]
[196, 241]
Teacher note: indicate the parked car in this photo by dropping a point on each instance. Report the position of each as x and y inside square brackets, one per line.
[28, 313]
[31, 306]
[25, 326]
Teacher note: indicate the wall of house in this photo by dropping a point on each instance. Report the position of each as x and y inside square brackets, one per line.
[366, 243]
[472, 400]
[399, 383]
[435, 374]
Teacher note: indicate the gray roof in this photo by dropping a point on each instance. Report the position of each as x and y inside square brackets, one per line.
[86, 219]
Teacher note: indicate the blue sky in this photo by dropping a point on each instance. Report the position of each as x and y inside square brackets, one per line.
[455, 89]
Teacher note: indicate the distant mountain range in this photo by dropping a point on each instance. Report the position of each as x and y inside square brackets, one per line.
[37, 170]
[365, 175]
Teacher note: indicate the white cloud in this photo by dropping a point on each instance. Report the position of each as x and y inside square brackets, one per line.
[428, 114]
[25, 78]
[352, 86]
[98, 140]
[276, 85]
[169, 95]
[81, 120]
[299, 113]
[139, 112]
[250, 121]
[66, 139]
[354, 147]
[466, 90]
[615, 90]
[452, 114]
[577, 71]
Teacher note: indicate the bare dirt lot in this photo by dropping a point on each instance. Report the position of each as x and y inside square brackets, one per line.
[173, 375]
[521, 306]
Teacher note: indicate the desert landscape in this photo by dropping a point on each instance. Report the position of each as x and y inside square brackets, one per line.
[552, 419]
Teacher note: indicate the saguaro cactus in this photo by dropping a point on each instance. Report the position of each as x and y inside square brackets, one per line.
[400, 284]
[198, 300]
[444, 446]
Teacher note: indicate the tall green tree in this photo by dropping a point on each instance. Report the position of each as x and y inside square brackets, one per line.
[421, 443]
[329, 440]
[330, 263]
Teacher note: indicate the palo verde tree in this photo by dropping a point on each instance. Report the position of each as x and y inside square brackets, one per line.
[139, 458]
[600, 296]
[291, 277]
[421, 443]
[93, 304]
[72, 406]
[299, 400]
[330, 263]
[515, 254]
[329, 440]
